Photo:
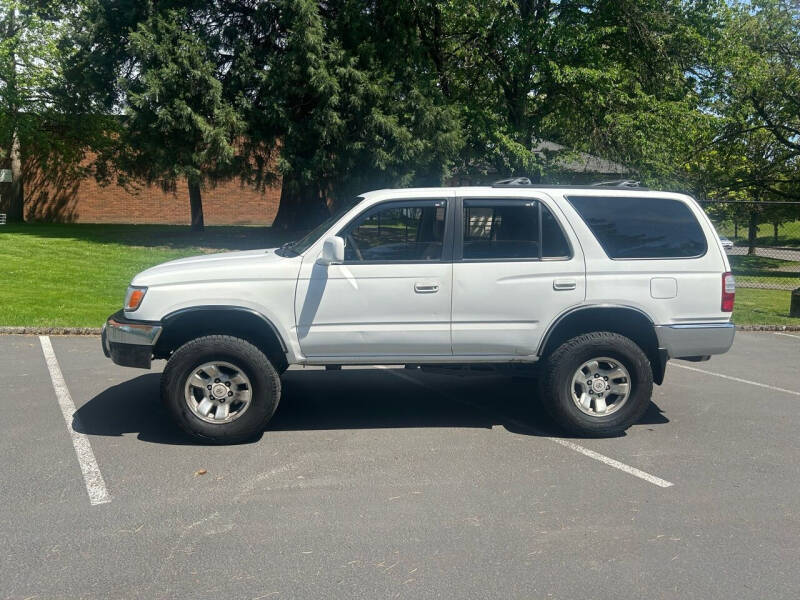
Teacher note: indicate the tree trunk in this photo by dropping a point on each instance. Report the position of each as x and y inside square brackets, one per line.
[196, 204]
[735, 230]
[775, 233]
[752, 232]
[16, 204]
[301, 207]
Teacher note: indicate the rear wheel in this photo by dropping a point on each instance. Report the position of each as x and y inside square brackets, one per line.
[597, 384]
[220, 389]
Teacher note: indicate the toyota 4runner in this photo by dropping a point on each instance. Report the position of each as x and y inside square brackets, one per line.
[592, 289]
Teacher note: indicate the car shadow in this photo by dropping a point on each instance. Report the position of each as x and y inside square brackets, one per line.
[346, 399]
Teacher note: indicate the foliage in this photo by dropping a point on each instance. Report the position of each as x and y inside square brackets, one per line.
[38, 120]
[336, 97]
[29, 68]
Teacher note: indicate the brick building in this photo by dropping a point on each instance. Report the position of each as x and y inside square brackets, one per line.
[69, 200]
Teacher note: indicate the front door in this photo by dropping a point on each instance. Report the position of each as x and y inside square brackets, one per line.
[391, 296]
[514, 270]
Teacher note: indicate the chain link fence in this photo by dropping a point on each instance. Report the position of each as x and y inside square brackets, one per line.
[762, 240]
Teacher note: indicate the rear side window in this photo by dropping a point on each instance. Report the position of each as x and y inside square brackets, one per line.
[511, 229]
[629, 227]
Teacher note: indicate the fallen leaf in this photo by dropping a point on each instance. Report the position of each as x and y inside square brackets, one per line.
[201, 472]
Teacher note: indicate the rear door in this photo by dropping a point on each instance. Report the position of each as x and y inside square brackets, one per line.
[516, 266]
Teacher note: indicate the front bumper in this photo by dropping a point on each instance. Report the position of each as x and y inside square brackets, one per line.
[130, 343]
[695, 340]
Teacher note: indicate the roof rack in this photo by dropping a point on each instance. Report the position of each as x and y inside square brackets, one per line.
[513, 181]
[625, 184]
[618, 183]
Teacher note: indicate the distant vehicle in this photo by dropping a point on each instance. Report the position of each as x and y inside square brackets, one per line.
[726, 243]
[593, 288]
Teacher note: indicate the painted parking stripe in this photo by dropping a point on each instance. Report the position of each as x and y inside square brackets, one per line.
[606, 460]
[738, 379]
[791, 335]
[613, 463]
[95, 485]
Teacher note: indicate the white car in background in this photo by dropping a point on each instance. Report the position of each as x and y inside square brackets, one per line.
[726, 243]
[593, 288]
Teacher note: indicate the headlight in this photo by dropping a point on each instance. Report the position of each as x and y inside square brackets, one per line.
[134, 297]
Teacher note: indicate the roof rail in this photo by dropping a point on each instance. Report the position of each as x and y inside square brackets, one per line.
[513, 181]
[625, 184]
[618, 183]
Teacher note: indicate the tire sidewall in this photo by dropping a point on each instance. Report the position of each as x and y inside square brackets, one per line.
[264, 381]
[577, 352]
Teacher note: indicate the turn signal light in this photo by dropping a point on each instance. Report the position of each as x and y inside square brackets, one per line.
[134, 298]
[728, 292]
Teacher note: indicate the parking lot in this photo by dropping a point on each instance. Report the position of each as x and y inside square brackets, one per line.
[381, 483]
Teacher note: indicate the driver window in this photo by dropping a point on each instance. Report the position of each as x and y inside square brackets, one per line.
[399, 231]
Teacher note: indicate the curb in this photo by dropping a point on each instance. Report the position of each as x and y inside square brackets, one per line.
[50, 330]
[768, 328]
[98, 330]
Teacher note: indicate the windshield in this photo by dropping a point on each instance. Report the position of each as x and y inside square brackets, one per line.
[305, 242]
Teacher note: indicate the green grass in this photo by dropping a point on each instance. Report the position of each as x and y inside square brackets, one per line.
[763, 307]
[788, 234]
[761, 271]
[758, 263]
[76, 275]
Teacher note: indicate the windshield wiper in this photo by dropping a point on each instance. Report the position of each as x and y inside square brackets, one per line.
[287, 247]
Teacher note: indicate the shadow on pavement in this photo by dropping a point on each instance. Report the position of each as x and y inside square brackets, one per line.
[347, 399]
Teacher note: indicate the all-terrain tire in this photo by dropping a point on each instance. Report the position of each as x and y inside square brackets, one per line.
[555, 383]
[265, 385]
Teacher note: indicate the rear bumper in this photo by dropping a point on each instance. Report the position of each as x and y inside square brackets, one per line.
[130, 343]
[696, 339]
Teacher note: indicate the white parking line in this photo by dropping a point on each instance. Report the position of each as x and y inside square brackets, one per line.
[791, 335]
[740, 380]
[562, 442]
[613, 463]
[95, 485]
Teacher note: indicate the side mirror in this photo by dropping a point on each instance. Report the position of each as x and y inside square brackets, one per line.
[332, 251]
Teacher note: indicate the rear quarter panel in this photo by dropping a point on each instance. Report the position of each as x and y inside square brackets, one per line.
[629, 282]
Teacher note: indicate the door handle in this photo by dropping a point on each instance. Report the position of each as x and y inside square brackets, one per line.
[426, 287]
[564, 284]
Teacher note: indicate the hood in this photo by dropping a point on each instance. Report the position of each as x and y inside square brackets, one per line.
[225, 266]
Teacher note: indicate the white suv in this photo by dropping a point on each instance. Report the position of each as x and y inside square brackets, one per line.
[592, 288]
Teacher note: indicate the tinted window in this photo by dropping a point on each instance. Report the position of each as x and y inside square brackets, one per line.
[397, 232]
[642, 227]
[554, 244]
[497, 229]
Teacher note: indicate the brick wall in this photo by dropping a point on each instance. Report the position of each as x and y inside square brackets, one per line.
[86, 201]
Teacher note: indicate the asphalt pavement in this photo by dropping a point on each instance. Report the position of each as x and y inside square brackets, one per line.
[393, 483]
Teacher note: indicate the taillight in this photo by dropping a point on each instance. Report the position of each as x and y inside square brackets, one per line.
[728, 292]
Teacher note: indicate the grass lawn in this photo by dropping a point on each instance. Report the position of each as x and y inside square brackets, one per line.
[76, 275]
[762, 307]
[761, 271]
[788, 234]
[743, 262]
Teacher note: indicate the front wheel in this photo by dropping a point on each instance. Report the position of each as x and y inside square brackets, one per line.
[220, 389]
[597, 384]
